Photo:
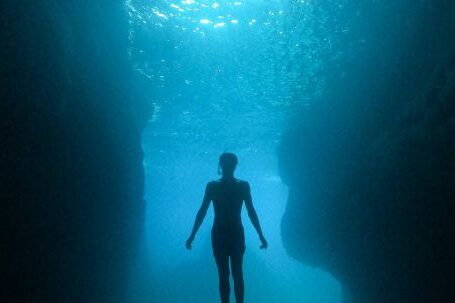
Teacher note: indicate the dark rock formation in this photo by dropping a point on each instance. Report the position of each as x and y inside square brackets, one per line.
[371, 166]
[70, 160]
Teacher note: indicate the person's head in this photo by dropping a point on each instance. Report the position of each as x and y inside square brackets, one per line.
[227, 163]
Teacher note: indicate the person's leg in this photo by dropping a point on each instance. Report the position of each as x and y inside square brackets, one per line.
[222, 263]
[237, 275]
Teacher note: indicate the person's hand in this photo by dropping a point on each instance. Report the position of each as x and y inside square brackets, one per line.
[264, 243]
[189, 242]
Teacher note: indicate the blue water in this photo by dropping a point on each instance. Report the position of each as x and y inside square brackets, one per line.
[221, 75]
[341, 113]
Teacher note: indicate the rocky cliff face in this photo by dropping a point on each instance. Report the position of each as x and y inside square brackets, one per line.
[371, 166]
[71, 162]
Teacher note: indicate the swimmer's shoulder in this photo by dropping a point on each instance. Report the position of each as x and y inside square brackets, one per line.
[213, 184]
[242, 183]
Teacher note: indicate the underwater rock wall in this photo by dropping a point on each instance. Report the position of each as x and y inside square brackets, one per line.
[371, 166]
[71, 160]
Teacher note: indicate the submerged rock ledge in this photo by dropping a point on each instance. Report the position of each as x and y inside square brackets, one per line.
[371, 167]
[71, 160]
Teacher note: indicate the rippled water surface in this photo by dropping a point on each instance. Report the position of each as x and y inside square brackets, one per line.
[224, 75]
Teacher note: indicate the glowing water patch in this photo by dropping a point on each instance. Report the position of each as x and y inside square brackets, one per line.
[219, 24]
[159, 14]
[193, 13]
[177, 7]
[205, 21]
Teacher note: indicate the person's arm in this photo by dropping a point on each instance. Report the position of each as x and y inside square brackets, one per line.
[200, 215]
[253, 216]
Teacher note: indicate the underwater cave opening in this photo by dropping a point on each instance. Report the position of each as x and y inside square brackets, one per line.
[214, 72]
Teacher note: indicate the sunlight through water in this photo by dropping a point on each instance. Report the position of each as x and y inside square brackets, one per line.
[221, 75]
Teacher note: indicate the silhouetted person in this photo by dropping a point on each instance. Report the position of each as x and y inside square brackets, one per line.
[228, 240]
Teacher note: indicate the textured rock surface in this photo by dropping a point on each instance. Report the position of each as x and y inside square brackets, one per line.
[71, 162]
[371, 166]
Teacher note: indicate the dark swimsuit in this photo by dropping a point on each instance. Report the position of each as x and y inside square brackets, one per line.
[227, 232]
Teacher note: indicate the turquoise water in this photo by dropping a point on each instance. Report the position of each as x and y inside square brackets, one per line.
[341, 113]
[222, 76]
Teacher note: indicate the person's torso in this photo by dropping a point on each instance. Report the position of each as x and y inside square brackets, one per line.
[228, 197]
